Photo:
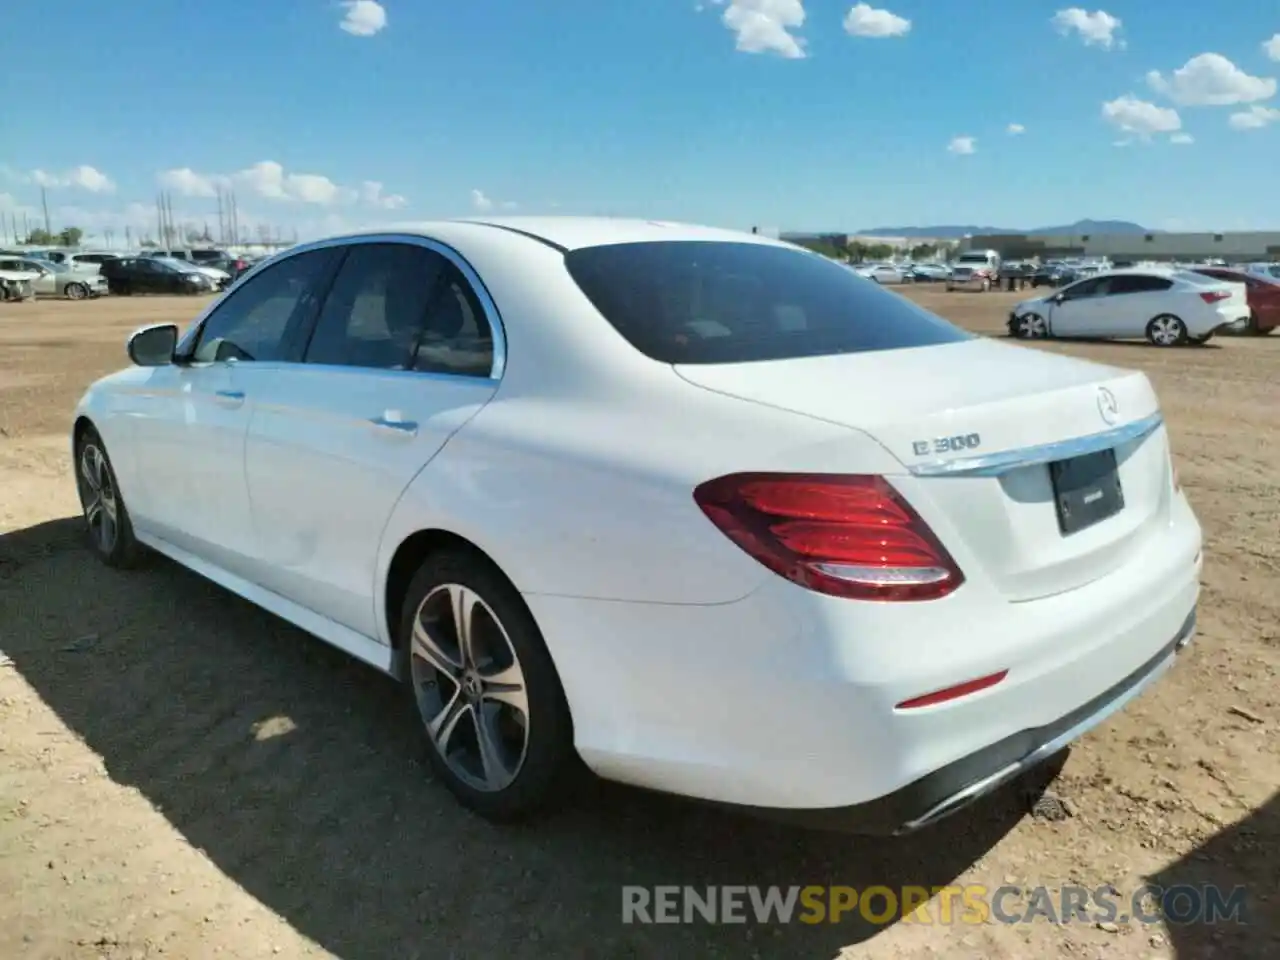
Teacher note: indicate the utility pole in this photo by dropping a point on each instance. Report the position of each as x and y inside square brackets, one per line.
[235, 218]
[44, 202]
[222, 224]
[128, 238]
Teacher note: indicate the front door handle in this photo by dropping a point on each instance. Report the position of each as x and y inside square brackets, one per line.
[392, 422]
[229, 398]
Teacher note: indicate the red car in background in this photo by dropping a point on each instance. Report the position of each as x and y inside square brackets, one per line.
[1263, 296]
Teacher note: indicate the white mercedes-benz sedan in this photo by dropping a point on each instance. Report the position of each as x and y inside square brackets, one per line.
[701, 510]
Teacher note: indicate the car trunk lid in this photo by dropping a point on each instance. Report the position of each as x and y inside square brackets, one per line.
[976, 425]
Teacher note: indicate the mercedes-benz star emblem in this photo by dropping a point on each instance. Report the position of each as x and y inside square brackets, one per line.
[1108, 405]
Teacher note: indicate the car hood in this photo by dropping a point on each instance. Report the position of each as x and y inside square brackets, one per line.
[1034, 302]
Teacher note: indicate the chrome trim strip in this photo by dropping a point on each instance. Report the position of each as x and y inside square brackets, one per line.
[994, 464]
[962, 798]
[494, 318]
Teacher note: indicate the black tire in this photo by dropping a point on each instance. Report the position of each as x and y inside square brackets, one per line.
[549, 765]
[76, 291]
[1167, 330]
[120, 549]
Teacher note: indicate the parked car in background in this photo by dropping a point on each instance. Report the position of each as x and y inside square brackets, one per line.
[881, 272]
[1261, 292]
[975, 268]
[16, 285]
[207, 255]
[1271, 270]
[1053, 275]
[231, 266]
[937, 558]
[85, 260]
[221, 278]
[58, 279]
[1167, 307]
[130, 275]
[929, 272]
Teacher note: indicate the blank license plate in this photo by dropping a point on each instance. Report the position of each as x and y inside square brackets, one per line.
[1086, 490]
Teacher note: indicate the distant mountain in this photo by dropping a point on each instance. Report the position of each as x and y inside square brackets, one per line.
[1095, 227]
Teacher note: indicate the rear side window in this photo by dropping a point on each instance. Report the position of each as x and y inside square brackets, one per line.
[725, 302]
[1139, 283]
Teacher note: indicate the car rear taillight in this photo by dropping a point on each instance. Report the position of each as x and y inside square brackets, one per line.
[1213, 296]
[844, 536]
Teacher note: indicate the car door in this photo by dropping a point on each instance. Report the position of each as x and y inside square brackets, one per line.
[189, 427]
[400, 358]
[1128, 305]
[1072, 308]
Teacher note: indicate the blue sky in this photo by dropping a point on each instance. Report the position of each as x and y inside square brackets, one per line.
[798, 114]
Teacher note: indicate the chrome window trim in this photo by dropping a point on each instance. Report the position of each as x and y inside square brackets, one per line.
[496, 330]
[995, 464]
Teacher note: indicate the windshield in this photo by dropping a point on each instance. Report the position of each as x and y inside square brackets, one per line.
[972, 258]
[726, 302]
[173, 264]
[1201, 279]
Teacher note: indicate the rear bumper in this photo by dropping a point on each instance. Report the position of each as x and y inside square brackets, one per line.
[961, 783]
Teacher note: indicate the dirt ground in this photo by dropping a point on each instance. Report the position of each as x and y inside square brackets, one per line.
[182, 775]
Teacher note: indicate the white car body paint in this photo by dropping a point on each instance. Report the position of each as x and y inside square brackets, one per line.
[688, 666]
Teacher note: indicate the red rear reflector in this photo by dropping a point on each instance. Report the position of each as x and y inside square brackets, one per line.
[952, 693]
[1213, 296]
[844, 536]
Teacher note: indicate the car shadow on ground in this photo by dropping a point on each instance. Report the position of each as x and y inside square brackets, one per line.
[300, 775]
[1241, 860]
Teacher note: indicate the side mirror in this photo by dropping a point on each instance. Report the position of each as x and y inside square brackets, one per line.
[153, 346]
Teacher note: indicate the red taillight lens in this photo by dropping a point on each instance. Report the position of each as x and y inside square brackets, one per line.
[845, 536]
[1213, 296]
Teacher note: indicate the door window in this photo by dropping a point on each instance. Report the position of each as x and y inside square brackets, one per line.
[260, 320]
[1085, 288]
[1136, 283]
[400, 306]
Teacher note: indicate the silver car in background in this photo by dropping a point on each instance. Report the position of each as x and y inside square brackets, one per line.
[58, 279]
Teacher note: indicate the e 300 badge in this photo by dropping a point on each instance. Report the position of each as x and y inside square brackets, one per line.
[969, 441]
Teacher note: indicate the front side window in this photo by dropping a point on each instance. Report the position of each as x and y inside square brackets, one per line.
[732, 302]
[258, 320]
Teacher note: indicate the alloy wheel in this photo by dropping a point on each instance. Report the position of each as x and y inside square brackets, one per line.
[98, 498]
[1166, 331]
[470, 688]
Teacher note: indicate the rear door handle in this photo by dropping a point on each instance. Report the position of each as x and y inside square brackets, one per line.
[391, 422]
[229, 398]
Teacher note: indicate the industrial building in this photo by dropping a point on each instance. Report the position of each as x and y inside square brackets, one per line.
[1258, 245]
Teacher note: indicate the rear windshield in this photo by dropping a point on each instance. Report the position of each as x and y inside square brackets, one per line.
[1202, 279]
[724, 302]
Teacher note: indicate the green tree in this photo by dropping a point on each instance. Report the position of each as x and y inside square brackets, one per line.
[40, 238]
[70, 236]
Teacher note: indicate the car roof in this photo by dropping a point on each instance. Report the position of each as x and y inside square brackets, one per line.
[572, 233]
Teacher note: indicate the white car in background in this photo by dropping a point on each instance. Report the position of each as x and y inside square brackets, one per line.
[1167, 307]
[881, 272]
[701, 509]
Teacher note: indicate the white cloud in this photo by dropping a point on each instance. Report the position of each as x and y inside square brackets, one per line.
[480, 201]
[188, 183]
[83, 177]
[1097, 29]
[364, 18]
[962, 145]
[1182, 138]
[1140, 118]
[270, 180]
[1211, 80]
[865, 20]
[371, 192]
[1256, 117]
[1272, 47]
[764, 26]
[1014, 129]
